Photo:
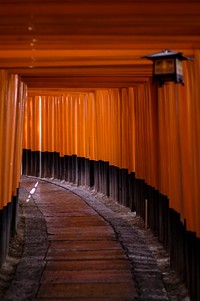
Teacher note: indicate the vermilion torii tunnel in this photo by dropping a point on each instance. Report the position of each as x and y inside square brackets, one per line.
[77, 103]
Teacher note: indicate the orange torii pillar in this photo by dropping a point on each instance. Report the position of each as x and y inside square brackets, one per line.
[12, 98]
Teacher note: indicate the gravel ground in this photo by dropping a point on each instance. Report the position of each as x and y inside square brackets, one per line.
[176, 291]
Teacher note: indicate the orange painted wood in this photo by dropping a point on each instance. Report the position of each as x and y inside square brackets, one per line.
[12, 99]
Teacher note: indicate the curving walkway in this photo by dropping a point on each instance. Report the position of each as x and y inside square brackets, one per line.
[78, 249]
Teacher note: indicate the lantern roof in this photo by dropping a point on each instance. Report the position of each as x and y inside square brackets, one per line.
[166, 54]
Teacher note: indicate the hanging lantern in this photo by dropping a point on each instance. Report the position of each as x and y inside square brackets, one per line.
[167, 66]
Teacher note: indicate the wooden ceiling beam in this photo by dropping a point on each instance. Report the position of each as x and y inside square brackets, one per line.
[92, 42]
[83, 82]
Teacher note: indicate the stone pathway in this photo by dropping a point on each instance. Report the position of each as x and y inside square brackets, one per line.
[78, 249]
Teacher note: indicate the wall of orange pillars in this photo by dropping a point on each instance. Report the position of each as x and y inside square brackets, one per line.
[139, 145]
[12, 99]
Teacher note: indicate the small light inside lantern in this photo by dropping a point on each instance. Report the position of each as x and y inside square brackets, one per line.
[167, 66]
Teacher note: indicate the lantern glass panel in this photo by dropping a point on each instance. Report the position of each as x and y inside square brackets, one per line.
[164, 66]
[179, 67]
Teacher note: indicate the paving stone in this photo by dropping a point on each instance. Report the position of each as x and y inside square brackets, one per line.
[81, 237]
[85, 290]
[75, 222]
[85, 245]
[97, 230]
[85, 265]
[85, 254]
[87, 276]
